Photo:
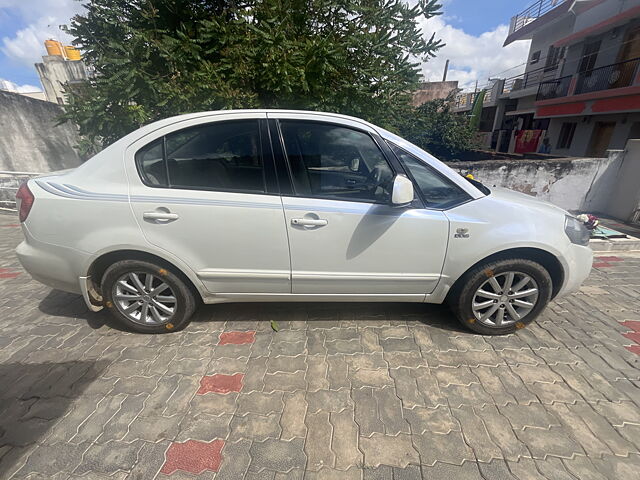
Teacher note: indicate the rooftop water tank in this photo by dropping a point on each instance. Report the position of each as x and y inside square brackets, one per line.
[72, 53]
[53, 47]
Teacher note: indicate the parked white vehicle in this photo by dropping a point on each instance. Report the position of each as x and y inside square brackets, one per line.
[270, 205]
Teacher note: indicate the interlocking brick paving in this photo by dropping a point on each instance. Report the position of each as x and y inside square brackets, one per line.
[362, 391]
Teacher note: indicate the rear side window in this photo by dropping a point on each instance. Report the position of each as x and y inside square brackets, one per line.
[151, 164]
[436, 190]
[221, 156]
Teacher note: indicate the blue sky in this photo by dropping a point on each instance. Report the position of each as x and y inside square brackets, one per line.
[473, 30]
[478, 16]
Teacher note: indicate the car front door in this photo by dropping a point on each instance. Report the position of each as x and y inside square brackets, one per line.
[206, 192]
[345, 238]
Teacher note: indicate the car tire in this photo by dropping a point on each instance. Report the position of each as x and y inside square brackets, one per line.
[168, 309]
[477, 288]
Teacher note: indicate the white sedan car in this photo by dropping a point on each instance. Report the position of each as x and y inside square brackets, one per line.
[288, 206]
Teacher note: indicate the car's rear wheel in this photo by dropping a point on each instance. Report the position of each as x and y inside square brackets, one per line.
[147, 298]
[501, 296]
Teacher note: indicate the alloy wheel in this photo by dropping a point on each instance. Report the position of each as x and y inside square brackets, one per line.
[505, 299]
[144, 298]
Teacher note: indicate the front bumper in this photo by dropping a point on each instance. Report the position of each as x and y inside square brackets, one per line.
[578, 260]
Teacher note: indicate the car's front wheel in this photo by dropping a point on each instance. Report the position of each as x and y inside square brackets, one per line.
[500, 297]
[147, 298]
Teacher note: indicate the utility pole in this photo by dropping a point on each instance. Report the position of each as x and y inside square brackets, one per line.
[446, 69]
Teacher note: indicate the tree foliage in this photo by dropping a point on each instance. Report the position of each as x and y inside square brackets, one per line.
[157, 58]
[435, 128]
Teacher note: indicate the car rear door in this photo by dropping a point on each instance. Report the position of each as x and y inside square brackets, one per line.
[344, 236]
[205, 190]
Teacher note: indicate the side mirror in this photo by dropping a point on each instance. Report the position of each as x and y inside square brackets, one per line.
[402, 191]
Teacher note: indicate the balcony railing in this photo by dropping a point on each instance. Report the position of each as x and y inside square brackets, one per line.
[617, 75]
[528, 79]
[532, 12]
[558, 87]
[466, 99]
[522, 81]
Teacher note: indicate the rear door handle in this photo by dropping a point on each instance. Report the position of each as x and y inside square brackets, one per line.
[309, 222]
[159, 216]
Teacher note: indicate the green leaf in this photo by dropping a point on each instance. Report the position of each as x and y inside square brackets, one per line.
[155, 59]
[275, 326]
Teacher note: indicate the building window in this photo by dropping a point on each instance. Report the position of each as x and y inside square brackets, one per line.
[566, 135]
[554, 56]
[535, 57]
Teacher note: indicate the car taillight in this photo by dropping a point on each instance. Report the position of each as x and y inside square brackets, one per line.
[25, 200]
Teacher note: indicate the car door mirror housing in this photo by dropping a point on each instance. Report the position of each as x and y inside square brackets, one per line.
[402, 194]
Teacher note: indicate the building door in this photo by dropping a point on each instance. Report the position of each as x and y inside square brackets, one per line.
[630, 46]
[634, 132]
[626, 69]
[600, 139]
[589, 55]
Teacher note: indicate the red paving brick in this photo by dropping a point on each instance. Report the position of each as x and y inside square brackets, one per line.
[632, 325]
[610, 259]
[220, 383]
[633, 336]
[634, 348]
[601, 264]
[237, 338]
[193, 457]
[8, 273]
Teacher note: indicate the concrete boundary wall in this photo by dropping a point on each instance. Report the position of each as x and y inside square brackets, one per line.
[31, 139]
[576, 184]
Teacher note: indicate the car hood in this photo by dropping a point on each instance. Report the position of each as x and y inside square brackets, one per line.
[526, 201]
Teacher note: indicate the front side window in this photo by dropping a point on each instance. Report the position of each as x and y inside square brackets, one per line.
[335, 162]
[221, 156]
[436, 190]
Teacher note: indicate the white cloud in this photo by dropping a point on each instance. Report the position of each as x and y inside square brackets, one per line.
[9, 86]
[43, 18]
[473, 57]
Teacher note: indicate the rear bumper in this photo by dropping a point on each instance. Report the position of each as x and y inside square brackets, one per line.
[53, 265]
[578, 260]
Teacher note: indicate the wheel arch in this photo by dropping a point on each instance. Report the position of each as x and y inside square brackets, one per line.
[100, 264]
[548, 260]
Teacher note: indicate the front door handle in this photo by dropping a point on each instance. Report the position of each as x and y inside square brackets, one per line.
[309, 222]
[160, 216]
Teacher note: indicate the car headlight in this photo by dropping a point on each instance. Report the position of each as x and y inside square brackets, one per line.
[576, 231]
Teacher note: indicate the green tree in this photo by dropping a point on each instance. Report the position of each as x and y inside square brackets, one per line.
[157, 58]
[435, 128]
